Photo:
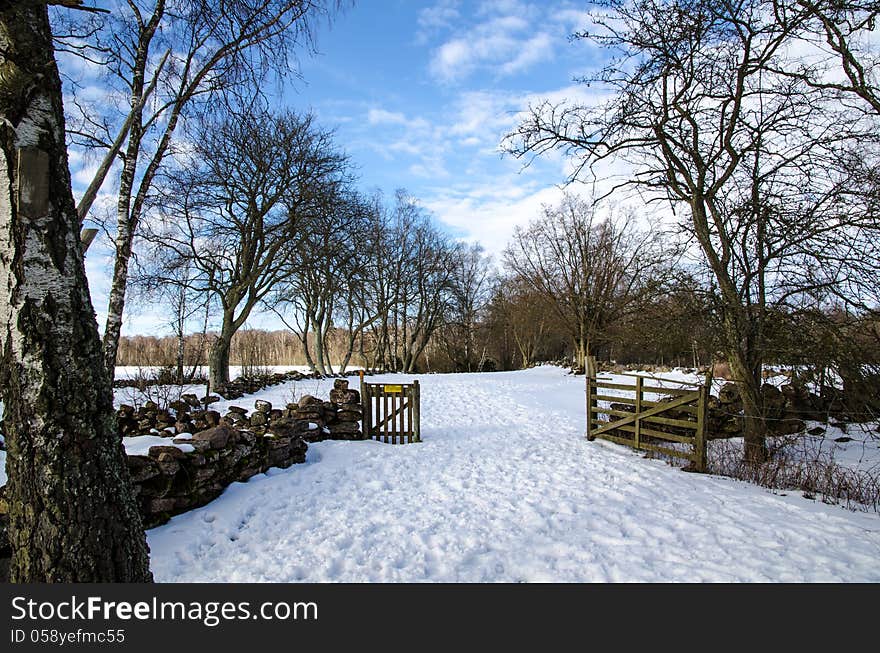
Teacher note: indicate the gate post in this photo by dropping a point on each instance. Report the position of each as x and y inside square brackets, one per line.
[638, 427]
[700, 436]
[417, 409]
[590, 374]
[365, 408]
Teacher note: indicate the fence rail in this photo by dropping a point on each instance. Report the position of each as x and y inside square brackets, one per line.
[632, 420]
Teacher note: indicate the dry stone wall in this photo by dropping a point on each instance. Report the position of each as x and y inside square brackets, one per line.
[192, 470]
[206, 451]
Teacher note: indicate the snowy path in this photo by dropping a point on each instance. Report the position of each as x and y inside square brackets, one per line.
[505, 488]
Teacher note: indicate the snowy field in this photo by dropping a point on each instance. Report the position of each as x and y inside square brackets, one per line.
[505, 488]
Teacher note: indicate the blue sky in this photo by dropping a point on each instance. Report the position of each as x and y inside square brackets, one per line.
[420, 94]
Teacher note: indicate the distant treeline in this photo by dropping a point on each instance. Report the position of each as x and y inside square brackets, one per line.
[518, 330]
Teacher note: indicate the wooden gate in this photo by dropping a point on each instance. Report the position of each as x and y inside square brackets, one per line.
[676, 415]
[391, 411]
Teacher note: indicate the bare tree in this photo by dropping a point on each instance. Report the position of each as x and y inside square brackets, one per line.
[592, 272]
[422, 281]
[72, 513]
[326, 288]
[525, 314]
[471, 292]
[234, 215]
[750, 156]
[168, 288]
[844, 28]
[196, 53]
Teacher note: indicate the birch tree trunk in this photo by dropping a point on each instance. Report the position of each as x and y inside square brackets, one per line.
[72, 513]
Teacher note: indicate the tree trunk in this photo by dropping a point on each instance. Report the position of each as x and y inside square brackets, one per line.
[126, 215]
[116, 302]
[306, 351]
[318, 330]
[181, 342]
[218, 359]
[754, 426]
[735, 327]
[72, 512]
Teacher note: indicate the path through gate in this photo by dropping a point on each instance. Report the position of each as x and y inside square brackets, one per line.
[391, 411]
[647, 417]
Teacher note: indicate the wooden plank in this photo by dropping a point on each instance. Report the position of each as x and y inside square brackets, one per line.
[407, 414]
[694, 386]
[397, 407]
[588, 393]
[592, 407]
[668, 421]
[388, 433]
[690, 410]
[365, 420]
[401, 423]
[617, 440]
[367, 401]
[365, 412]
[675, 453]
[392, 402]
[648, 413]
[377, 405]
[392, 399]
[370, 409]
[398, 412]
[645, 403]
[619, 400]
[410, 401]
[647, 447]
[612, 411]
[613, 386]
[372, 412]
[672, 391]
[671, 437]
[378, 418]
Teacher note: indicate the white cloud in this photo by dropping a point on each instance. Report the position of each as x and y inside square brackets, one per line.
[384, 117]
[85, 173]
[509, 37]
[490, 213]
[406, 147]
[434, 19]
[533, 51]
[452, 59]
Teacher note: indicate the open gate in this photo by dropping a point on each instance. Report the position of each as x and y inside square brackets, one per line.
[391, 411]
[671, 415]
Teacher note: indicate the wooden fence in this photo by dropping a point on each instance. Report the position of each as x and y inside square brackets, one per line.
[678, 416]
[391, 411]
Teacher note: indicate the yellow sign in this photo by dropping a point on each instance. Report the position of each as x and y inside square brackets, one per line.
[393, 389]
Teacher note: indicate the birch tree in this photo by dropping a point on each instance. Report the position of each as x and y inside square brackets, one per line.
[72, 513]
[195, 53]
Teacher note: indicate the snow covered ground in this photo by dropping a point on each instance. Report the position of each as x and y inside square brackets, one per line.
[505, 488]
